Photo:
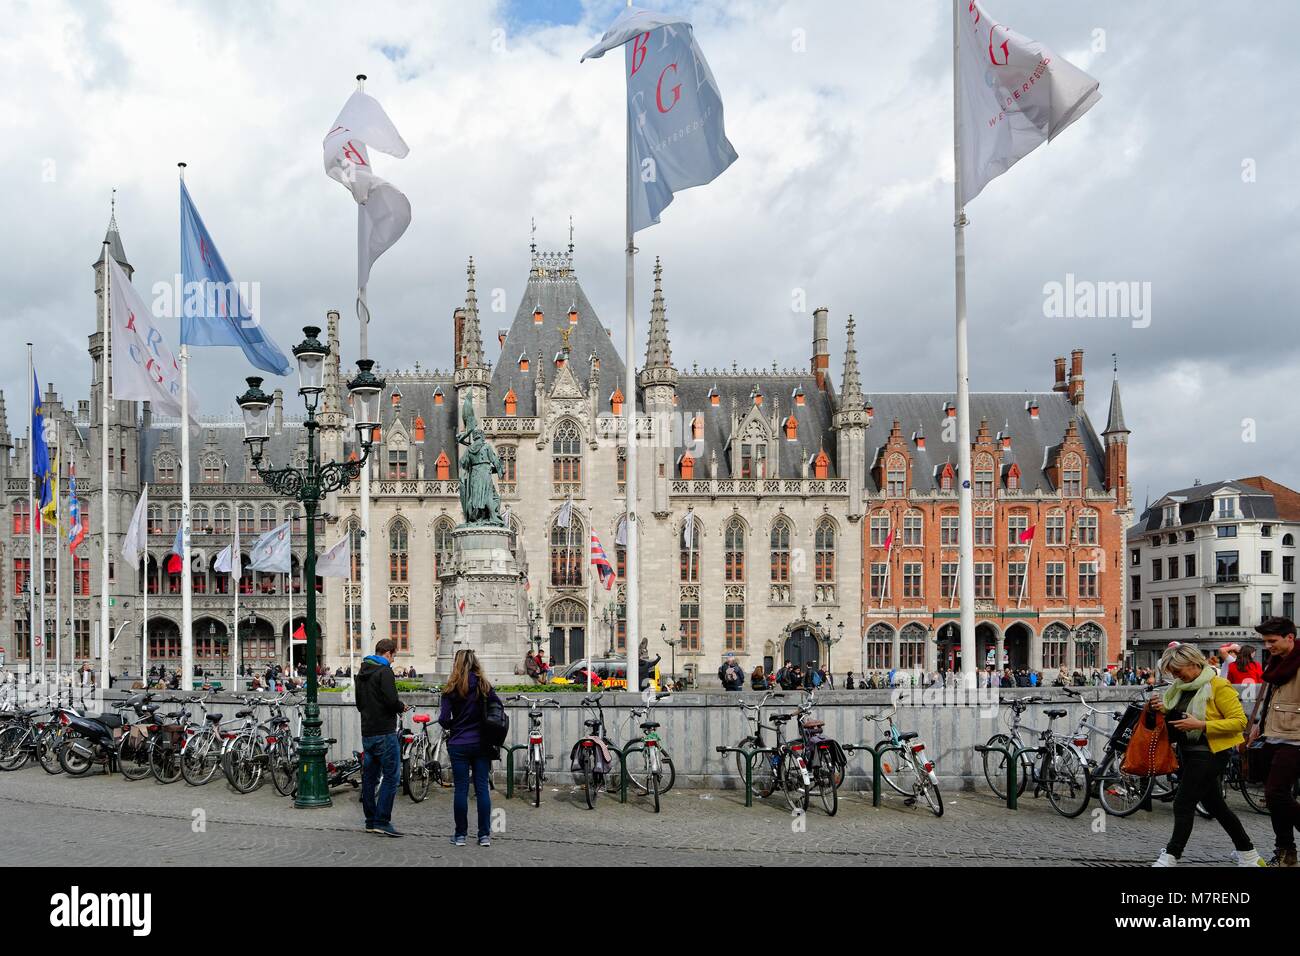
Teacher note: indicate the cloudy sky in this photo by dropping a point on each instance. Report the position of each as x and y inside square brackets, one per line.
[1185, 176]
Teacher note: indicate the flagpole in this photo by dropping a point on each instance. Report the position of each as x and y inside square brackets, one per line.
[234, 586]
[590, 582]
[58, 551]
[1025, 577]
[633, 610]
[290, 580]
[104, 635]
[363, 320]
[965, 531]
[31, 517]
[144, 623]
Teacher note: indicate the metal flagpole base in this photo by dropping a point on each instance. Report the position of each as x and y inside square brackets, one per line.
[313, 781]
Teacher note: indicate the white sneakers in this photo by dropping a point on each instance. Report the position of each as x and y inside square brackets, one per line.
[1165, 859]
[1248, 858]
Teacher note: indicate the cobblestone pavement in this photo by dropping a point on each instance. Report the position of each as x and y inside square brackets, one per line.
[99, 819]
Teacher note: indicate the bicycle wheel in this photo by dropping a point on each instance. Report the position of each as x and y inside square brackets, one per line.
[1253, 794]
[164, 762]
[1121, 794]
[537, 767]
[284, 768]
[416, 778]
[792, 783]
[667, 772]
[200, 757]
[1066, 781]
[995, 767]
[591, 783]
[13, 751]
[133, 756]
[896, 770]
[244, 764]
[652, 774]
[827, 790]
[930, 790]
[47, 752]
[749, 743]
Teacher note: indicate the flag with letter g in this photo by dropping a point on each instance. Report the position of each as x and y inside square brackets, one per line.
[1016, 94]
[674, 110]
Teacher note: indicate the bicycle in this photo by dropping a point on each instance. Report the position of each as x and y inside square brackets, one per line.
[421, 758]
[764, 769]
[243, 756]
[281, 752]
[165, 744]
[656, 774]
[903, 764]
[823, 756]
[1060, 772]
[535, 760]
[590, 756]
[24, 736]
[201, 751]
[1120, 794]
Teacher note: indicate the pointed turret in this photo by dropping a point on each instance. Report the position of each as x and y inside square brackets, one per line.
[851, 394]
[1115, 420]
[851, 421]
[113, 240]
[658, 352]
[1116, 436]
[472, 374]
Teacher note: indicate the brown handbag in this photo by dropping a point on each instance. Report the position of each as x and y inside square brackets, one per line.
[1149, 752]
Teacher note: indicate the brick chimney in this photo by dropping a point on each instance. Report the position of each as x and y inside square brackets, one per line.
[1059, 385]
[1076, 378]
[821, 356]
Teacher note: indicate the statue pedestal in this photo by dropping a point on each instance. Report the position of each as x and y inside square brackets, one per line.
[484, 577]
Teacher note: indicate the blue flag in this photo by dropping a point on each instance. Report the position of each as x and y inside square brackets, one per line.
[678, 139]
[40, 451]
[214, 311]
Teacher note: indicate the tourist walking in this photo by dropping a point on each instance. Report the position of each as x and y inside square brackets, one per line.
[1205, 723]
[381, 752]
[464, 698]
[1280, 729]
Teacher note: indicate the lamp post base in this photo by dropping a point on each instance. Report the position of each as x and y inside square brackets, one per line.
[313, 781]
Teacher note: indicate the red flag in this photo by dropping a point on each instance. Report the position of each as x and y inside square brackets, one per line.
[889, 541]
[300, 635]
[1028, 534]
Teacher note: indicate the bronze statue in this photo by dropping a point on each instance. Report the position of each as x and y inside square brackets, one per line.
[479, 500]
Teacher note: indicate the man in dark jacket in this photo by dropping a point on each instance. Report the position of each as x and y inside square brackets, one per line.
[730, 674]
[379, 705]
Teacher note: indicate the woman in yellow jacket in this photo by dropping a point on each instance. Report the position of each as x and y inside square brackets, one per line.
[1205, 722]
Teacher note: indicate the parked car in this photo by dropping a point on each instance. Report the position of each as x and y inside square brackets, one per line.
[605, 672]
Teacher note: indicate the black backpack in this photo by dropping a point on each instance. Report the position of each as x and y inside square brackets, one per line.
[496, 722]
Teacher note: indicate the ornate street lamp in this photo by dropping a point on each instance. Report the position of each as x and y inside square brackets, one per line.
[309, 485]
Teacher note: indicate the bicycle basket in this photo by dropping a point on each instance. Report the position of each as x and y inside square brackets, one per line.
[602, 762]
[829, 748]
[171, 736]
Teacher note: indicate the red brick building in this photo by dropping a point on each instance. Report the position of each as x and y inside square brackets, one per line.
[1038, 463]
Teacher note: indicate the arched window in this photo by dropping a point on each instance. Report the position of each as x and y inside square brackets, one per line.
[878, 649]
[441, 544]
[173, 518]
[1088, 647]
[221, 519]
[266, 518]
[911, 647]
[1288, 541]
[566, 459]
[568, 547]
[734, 617]
[781, 552]
[735, 551]
[398, 552]
[567, 622]
[1056, 638]
[896, 478]
[824, 560]
[22, 517]
[246, 525]
[688, 562]
[355, 544]
[199, 520]
[155, 519]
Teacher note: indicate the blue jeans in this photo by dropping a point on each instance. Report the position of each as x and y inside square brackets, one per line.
[463, 759]
[382, 754]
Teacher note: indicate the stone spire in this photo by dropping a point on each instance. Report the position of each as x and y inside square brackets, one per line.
[332, 402]
[114, 239]
[659, 353]
[471, 340]
[1115, 420]
[851, 395]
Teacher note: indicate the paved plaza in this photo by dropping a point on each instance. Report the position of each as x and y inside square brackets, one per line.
[105, 820]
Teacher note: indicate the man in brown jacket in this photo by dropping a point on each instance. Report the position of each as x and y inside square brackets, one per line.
[1280, 728]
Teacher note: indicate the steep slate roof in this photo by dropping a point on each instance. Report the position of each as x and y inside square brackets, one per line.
[417, 390]
[1032, 441]
[1196, 504]
[555, 290]
[814, 417]
[229, 440]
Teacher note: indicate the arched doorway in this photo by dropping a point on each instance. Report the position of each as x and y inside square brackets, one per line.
[802, 646]
[297, 652]
[211, 646]
[948, 638]
[256, 645]
[1015, 646]
[986, 646]
[164, 643]
[567, 621]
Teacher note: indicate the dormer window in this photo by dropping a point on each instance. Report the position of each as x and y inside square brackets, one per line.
[437, 397]
[1227, 507]
[688, 466]
[753, 460]
[537, 316]
[946, 477]
[822, 465]
[573, 315]
[791, 428]
[616, 402]
[714, 398]
[896, 479]
[523, 362]
[511, 403]
[419, 429]
[799, 396]
[1170, 516]
[442, 467]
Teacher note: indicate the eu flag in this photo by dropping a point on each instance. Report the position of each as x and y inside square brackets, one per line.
[215, 312]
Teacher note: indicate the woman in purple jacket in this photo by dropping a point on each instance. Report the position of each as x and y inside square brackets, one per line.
[463, 698]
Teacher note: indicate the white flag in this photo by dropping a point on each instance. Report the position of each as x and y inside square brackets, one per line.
[566, 512]
[144, 367]
[688, 530]
[385, 211]
[137, 533]
[1015, 95]
[337, 561]
[228, 560]
[620, 536]
[271, 553]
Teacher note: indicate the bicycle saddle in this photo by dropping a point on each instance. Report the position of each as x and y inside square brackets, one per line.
[1054, 713]
[780, 718]
[243, 713]
[279, 721]
[593, 724]
[420, 719]
[213, 718]
[650, 725]
[910, 735]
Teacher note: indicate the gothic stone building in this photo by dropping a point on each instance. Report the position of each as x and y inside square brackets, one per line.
[788, 482]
